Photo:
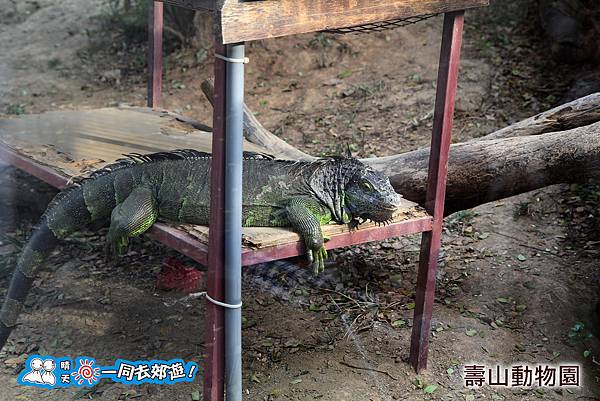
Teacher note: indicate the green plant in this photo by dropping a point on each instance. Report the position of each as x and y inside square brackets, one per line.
[54, 63]
[522, 209]
[16, 109]
[320, 40]
[129, 18]
[578, 334]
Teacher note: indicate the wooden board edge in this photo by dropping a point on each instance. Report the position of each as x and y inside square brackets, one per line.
[253, 256]
[245, 21]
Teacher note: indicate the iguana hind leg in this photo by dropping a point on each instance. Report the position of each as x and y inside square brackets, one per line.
[129, 219]
[306, 216]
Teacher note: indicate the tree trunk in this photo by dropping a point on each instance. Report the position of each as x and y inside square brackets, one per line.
[484, 171]
[557, 146]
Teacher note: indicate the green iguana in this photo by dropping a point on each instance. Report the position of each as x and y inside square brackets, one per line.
[175, 186]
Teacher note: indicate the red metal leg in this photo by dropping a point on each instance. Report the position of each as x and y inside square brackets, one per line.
[436, 186]
[214, 368]
[155, 31]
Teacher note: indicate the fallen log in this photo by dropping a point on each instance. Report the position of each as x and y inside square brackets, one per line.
[484, 171]
[561, 145]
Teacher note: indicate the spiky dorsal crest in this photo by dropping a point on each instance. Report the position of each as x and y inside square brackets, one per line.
[181, 154]
[132, 159]
[138, 158]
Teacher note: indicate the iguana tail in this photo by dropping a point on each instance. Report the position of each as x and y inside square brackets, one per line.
[66, 214]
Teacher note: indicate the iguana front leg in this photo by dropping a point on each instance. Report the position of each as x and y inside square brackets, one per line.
[306, 216]
[129, 219]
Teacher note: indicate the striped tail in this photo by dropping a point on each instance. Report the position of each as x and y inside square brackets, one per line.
[66, 214]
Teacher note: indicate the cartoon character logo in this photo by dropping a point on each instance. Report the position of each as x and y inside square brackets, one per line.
[48, 377]
[40, 372]
[60, 372]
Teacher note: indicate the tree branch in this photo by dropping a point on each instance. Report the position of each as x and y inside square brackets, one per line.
[579, 112]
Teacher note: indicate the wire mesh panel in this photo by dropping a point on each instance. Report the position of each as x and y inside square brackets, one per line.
[381, 26]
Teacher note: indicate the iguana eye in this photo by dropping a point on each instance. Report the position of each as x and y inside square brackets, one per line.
[367, 186]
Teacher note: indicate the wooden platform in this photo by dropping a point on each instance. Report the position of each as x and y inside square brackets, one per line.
[57, 146]
[242, 20]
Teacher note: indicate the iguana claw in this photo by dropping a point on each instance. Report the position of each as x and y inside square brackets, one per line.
[115, 247]
[317, 259]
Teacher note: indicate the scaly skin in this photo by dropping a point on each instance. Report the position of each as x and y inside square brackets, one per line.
[174, 186]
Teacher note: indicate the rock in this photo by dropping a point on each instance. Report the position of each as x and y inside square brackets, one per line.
[14, 362]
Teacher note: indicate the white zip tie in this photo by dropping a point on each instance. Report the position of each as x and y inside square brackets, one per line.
[214, 301]
[196, 295]
[244, 60]
[223, 304]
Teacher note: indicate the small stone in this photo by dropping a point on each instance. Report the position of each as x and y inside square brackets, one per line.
[14, 362]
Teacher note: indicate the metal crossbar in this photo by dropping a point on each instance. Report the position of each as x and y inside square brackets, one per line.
[380, 26]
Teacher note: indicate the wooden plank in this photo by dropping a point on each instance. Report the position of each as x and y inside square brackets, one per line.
[251, 20]
[74, 142]
[346, 238]
[193, 4]
[261, 244]
[56, 146]
[264, 237]
[44, 173]
[180, 241]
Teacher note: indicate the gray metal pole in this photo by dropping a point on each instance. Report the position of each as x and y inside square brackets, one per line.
[234, 104]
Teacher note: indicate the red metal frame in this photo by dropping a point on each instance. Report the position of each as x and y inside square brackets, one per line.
[436, 185]
[155, 64]
[180, 241]
[430, 226]
[214, 368]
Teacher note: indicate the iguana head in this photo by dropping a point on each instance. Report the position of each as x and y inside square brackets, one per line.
[370, 196]
[351, 189]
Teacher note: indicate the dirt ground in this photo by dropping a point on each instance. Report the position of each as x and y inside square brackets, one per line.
[518, 279]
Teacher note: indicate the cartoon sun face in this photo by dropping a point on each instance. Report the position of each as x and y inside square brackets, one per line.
[86, 372]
